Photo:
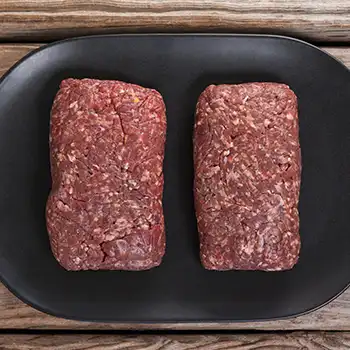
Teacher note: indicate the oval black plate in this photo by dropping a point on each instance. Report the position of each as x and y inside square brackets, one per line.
[180, 67]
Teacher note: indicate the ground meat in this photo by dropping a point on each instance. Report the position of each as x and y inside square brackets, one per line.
[247, 177]
[107, 146]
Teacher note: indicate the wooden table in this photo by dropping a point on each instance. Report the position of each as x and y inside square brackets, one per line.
[22, 23]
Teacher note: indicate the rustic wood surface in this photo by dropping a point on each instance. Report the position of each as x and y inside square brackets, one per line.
[290, 341]
[42, 20]
[46, 20]
[16, 315]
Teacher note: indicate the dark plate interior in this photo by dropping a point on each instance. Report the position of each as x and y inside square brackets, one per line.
[180, 67]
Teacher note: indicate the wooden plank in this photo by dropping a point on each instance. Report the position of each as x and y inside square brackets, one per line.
[10, 54]
[295, 340]
[343, 54]
[42, 20]
[17, 315]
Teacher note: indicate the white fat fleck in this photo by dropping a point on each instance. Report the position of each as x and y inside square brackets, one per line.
[145, 226]
[267, 123]
[73, 104]
[89, 206]
[289, 116]
[295, 242]
[122, 246]
[61, 206]
[109, 237]
[121, 223]
[145, 176]
[249, 174]
[71, 157]
[278, 187]
[252, 125]
[213, 170]
[159, 170]
[222, 193]
[215, 261]
[76, 260]
[248, 248]
[232, 175]
[245, 99]
[235, 121]
[225, 243]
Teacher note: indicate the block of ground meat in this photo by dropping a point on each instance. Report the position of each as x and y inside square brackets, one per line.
[247, 177]
[106, 147]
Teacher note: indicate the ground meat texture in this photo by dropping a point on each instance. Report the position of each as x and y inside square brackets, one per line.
[107, 147]
[247, 177]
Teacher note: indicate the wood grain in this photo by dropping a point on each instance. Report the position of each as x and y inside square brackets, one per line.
[290, 341]
[16, 315]
[47, 20]
[10, 54]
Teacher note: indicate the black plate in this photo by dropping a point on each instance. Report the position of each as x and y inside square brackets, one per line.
[180, 67]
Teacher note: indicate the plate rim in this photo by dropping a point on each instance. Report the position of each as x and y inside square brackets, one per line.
[178, 320]
[167, 321]
[229, 35]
